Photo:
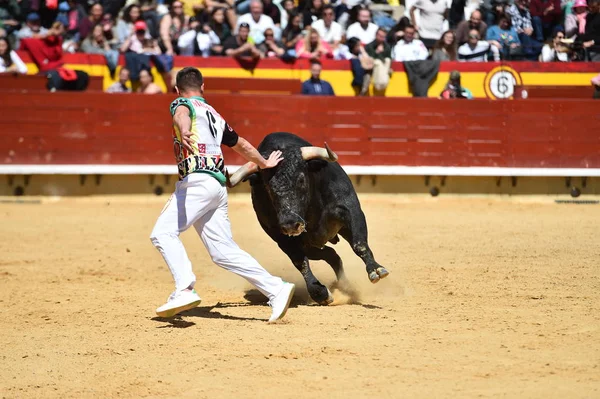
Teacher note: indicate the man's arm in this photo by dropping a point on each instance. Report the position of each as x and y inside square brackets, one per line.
[183, 122]
[247, 150]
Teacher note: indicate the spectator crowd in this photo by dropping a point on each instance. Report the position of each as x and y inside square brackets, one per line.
[153, 31]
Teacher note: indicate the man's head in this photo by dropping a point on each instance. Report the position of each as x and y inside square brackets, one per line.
[317, 4]
[189, 82]
[503, 22]
[146, 77]
[269, 35]
[409, 33]
[123, 75]
[473, 37]
[475, 20]
[288, 5]
[33, 21]
[96, 12]
[594, 6]
[364, 17]
[328, 14]
[243, 32]
[522, 4]
[256, 9]
[454, 79]
[380, 36]
[315, 70]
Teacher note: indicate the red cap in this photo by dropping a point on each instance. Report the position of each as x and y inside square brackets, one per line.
[140, 25]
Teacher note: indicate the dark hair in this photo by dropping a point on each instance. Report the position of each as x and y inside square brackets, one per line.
[502, 16]
[451, 50]
[352, 42]
[289, 33]
[325, 8]
[149, 73]
[189, 78]
[6, 57]
[126, 16]
[317, 62]
[409, 26]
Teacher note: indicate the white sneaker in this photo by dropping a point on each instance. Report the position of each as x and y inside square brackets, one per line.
[281, 302]
[178, 302]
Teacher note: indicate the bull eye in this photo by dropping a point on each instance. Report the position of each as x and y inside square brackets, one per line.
[301, 179]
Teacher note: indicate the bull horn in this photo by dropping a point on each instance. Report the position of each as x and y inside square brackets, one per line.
[240, 174]
[325, 154]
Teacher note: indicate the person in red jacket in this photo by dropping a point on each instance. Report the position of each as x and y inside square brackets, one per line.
[546, 16]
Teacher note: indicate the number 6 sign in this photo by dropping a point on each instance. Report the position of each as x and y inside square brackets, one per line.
[500, 83]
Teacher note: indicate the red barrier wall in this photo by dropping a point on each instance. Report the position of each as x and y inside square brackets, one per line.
[90, 128]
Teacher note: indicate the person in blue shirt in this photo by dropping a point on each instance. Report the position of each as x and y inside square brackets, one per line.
[505, 38]
[315, 86]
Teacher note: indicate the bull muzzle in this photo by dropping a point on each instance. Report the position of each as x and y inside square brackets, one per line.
[293, 228]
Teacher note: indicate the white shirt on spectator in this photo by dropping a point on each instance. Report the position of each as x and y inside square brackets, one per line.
[365, 36]
[264, 22]
[332, 34]
[465, 50]
[431, 18]
[205, 42]
[16, 60]
[549, 54]
[413, 51]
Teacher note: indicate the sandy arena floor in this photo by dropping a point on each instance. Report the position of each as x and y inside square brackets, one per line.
[487, 298]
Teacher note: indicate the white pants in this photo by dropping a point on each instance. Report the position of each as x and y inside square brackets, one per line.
[201, 201]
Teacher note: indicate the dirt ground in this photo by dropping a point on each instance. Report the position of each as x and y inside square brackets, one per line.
[487, 297]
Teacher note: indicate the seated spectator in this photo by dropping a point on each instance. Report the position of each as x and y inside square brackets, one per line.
[239, 47]
[546, 17]
[150, 16]
[381, 53]
[121, 85]
[9, 60]
[75, 14]
[32, 28]
[409, 48]
[172, 26]
[361, 65]
[555, 50]
[96, 43]
[431, 16]
[397, 32]
[10, 15]
[313, 47]
[94, 18]
[110, 31]
[445, 48]
[363, 28]
[523, 24]
[257, 21]
[591, 38]
[315, 86]
[138, 49]
[328, 28]
[270, 48]
[147, 85]
[454, 89]
[505, 38]
[475, 22]
[227, 7]
[220, 28]
[476, 50]
[288, 8]
[575, 22]
[292, 34]
[312, 13]
[125, 25]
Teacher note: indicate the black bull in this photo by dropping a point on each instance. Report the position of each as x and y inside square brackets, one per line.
[303, 203]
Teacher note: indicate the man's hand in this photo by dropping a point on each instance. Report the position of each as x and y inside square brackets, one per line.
[186, 140]
[514, 45]
[528, 31]
[273, 160]
[588, 44]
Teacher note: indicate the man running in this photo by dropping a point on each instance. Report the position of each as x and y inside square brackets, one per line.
[200, 200]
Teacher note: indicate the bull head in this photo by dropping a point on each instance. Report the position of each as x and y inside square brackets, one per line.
[308, 153]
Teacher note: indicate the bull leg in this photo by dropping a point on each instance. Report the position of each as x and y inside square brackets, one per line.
[329, 255]
[317, 291]
[355, 232]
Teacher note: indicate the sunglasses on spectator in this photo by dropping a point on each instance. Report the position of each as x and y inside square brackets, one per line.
[268, 35]
[328, 13]
[473, 36]
[560, 36]
[177, 6]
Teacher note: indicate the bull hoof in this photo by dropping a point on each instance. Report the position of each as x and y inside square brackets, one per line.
[382, 272]
[374, 277]
[327, 301]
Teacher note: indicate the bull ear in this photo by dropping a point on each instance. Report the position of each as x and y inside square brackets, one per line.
[315, 165]
[254, 179]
